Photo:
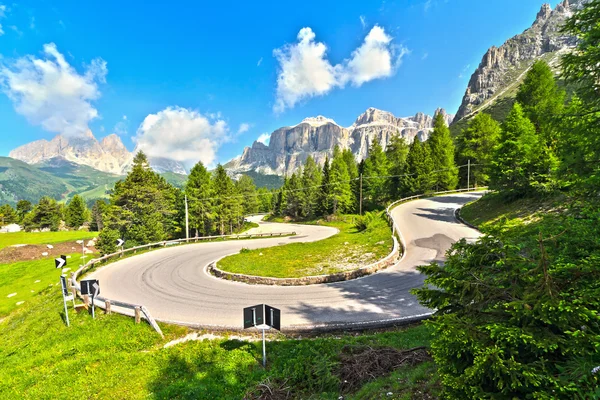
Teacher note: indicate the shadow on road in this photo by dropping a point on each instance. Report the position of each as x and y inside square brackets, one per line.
[462, 199]
[439, 214]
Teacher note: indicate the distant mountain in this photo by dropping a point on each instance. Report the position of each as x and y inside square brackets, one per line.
[502, 69]
[289, 147]
[60, 179]
[108, 155]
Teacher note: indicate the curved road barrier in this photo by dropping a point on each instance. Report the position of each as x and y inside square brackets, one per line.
[174, 285]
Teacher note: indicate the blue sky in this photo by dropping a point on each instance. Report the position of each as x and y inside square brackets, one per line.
[200, 79]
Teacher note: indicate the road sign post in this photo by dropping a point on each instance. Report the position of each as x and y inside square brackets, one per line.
[65, 293]
[91, 287]
[262, 317]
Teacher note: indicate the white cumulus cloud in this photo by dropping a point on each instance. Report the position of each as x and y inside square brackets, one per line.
[264, 138]
[243, 127]
[51, 93]
[183, 135]
[305, 71]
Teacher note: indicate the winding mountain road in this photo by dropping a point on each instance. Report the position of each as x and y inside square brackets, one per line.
[175, 287]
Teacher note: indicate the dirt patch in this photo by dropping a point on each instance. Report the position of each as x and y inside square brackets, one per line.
[361, 364]
[34, 252]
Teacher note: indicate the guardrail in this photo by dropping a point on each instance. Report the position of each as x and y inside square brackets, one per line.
[137, 308]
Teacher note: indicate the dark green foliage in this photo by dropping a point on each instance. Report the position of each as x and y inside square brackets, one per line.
[142, 207]
[397, 153]
[353, 175]
[340, 189]
[375, 181]
[476, 143]
[265, 200]
[519, 164]
[226, 206]
[23, 207]
[324, 206]
[47, 214]
[419, 167]
[518, 310]
[441, 148]
[198, 189]
[76, 213]
[293, 196]
[96, 220]
[8, 215]
[311, 185]
[363, 222]
[246, 189]
[581, 67]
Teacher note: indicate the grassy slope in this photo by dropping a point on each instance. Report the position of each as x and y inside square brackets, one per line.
[349, 249]
[9, 239]
[21, 278]
[112, 358]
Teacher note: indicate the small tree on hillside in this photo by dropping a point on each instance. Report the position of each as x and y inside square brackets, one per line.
[441, 149]
[23, 207]
[8, 215]
[76, 212]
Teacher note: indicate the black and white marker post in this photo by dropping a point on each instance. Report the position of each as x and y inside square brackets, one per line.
[66, 296]
[120, 243]
[262, 317]
[61, 262]
[91, 287]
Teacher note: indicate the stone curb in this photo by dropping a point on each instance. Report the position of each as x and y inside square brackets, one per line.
[388, 261]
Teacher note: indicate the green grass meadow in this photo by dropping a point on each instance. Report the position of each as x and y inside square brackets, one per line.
[10, 239]
[347, 250]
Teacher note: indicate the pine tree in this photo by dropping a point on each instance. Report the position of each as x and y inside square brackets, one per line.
[542, 101]
[340, 192]
[419, 168]
[441, 148]
[353, 175]
[311, 181]
[293, 195]
[376, 170]
[8, 215]
[324, 206]
[396, 154]
[97, 221]
[476, 143]
[265, 200]
[142, 207]
[515, 156]
[45, 215]
[225, 203]
[246, 188]
[199, 191]
[23, 207]
[75, 213]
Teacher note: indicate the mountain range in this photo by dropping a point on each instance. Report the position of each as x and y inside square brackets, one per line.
[491, 88]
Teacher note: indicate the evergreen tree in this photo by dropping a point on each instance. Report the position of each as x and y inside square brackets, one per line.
[97, 224]
[541, 99]
[293, 195]
[45, 215]
[225, 203]
[23, 207]
[376, 170]
[199, 191]
[246, 188]
[8, 215]
[142, 207]
[419, 167]
[76, 212]
[476, 143]
[517, 159]
[324, 194]
[353, 175]
[396, 154]
[265, 200]
[441, 148]
[311, 181]
[340, 191]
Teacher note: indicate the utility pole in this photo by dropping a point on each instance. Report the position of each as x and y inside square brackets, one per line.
[469, 174]
[360, 196]
[187, 220]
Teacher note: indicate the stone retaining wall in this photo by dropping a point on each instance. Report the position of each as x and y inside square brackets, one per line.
[309, 280]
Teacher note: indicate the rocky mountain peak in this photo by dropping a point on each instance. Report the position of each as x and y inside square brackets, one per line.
[317, 121]
[374, 115]
[502, 68]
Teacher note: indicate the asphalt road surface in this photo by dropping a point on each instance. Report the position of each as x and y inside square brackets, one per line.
[175, 287]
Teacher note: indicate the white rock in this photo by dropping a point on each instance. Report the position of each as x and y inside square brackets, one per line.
[11, 295]
[45, 253]
[38, 281]
[20, 302]
[49, 246]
